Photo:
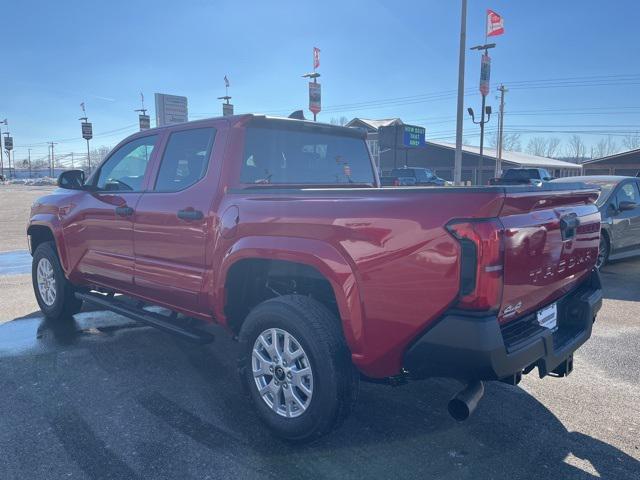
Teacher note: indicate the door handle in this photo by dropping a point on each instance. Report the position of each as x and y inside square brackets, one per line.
[124, 211]
[189, 214]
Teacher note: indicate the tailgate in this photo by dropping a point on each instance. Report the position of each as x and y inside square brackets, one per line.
[551, 241]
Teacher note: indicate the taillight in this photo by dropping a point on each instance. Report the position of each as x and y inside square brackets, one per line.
[481, 263]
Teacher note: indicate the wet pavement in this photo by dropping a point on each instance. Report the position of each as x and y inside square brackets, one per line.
[99, 396]
[15, 262]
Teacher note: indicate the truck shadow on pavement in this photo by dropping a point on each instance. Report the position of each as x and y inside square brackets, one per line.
[124, 401]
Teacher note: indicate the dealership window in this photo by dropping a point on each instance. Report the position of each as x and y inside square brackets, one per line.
[185, 159]
[627, 172]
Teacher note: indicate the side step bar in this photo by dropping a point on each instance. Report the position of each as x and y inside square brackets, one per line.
[161, 322]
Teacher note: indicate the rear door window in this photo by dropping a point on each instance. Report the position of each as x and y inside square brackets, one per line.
[185, 159]
[303, 156]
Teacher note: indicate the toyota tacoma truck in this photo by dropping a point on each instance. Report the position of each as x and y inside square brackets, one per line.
[278, 230]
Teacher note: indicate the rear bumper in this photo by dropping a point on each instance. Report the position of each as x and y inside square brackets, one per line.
[479, 348]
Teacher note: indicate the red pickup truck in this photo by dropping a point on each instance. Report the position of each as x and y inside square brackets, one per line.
[278, 230]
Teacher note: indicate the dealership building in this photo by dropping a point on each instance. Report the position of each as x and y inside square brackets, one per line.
[394, 144]
[626, 163]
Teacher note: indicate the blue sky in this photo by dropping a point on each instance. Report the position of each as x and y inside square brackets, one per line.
[58, 54]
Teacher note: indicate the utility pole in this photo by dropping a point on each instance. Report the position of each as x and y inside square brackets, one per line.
[29, 150]
[52, 160]
[72, 164]
[484, 90]
[502, 91]
[457, 163]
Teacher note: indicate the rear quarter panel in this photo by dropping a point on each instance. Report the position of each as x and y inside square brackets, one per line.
[403, 262]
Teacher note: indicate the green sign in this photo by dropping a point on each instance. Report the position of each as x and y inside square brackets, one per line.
[413, 136]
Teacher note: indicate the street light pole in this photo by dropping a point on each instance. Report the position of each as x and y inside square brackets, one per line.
[484, 90]
[5, 122]
[485, 110]
[29, 150]
[6, 137]
[314, 75]
[457, 162]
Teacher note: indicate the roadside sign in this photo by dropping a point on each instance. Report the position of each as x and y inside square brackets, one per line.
[227, 109]
[315, 98]
[87, 130]
[170, 109]
[145, 122]
[413, 136]
[485, 74]
[8, 143]
[401, 136]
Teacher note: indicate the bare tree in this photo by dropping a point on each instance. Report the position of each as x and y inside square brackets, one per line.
[553, 145]
[605, 147]
[510, 142]
[632, 141]
[576, 148]
[339, 120]
[537, 146]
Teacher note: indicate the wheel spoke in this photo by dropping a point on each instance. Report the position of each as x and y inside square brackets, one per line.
[297, 381]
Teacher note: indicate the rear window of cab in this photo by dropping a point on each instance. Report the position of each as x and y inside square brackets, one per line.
[281, 156]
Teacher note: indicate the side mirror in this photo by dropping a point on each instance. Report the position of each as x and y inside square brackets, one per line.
[626, 205]
[71, 179]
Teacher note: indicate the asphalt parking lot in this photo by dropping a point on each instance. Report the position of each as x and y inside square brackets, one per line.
[98, 396]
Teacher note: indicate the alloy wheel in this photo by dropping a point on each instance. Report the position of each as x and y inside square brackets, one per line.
[282, 372]
[46, 281]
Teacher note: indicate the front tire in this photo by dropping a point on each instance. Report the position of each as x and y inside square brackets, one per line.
[296, 367]
[54, 293]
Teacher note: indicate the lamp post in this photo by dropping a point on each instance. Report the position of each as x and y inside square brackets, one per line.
[485, 110]
[5, 122]
[314, 93]
[8, 146]
[485, 73]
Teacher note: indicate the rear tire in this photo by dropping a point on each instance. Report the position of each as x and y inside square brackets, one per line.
[54, 293]
[297, 408]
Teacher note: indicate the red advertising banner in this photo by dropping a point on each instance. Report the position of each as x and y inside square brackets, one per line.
[485, 75]
[315, 97]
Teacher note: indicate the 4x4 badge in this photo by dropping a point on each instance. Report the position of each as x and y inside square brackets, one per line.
[510, 310]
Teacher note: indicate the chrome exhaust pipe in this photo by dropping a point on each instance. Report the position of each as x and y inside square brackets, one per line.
[465, 402]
